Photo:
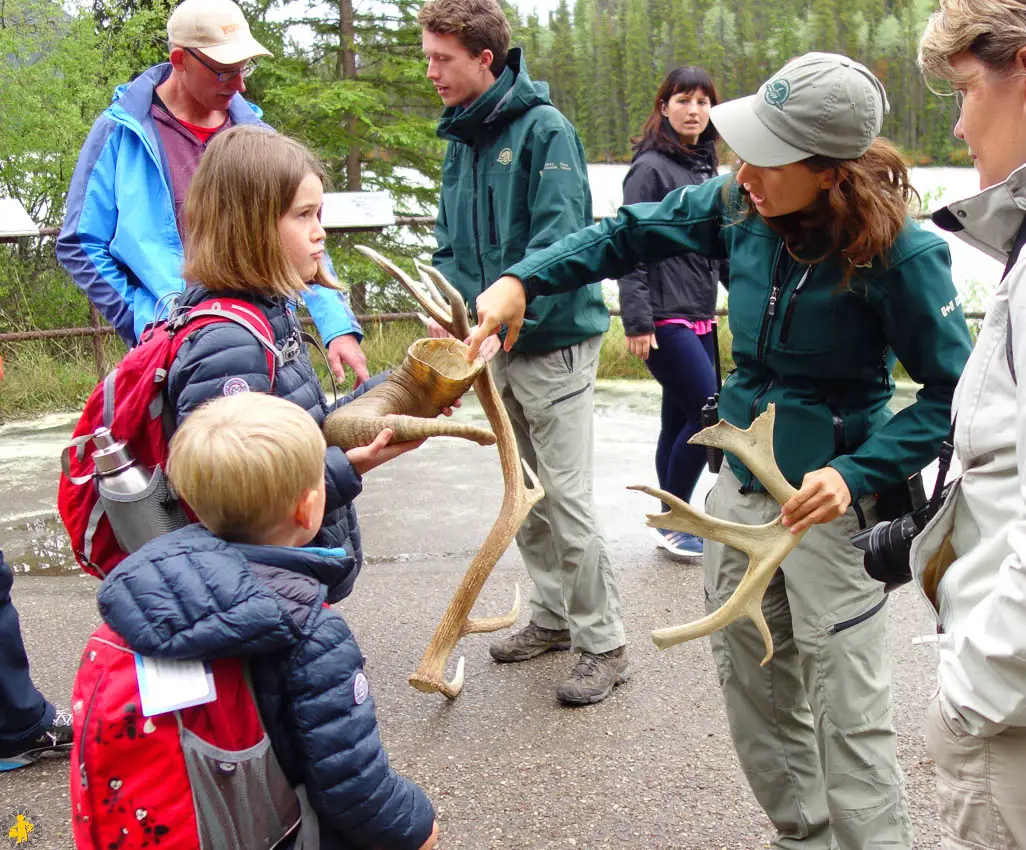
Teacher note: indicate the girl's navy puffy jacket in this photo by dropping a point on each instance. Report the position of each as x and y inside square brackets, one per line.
[223, 358]
[190, 594]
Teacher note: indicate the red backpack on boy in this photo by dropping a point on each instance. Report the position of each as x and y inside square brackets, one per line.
[202, 777]
[109, 505]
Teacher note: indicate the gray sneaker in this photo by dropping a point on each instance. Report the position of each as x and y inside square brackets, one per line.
[529, 642]
[594, 676]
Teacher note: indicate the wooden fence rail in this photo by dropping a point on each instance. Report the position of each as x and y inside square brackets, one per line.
[97, 329]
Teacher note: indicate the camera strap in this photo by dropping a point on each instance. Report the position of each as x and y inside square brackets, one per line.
[1013, 256]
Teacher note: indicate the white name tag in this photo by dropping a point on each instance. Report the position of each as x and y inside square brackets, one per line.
[168, 685]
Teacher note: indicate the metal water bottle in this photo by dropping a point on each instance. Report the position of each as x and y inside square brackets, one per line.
[115, 465]
[139, 503]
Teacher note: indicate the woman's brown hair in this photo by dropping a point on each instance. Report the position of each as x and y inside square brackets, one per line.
[244, 184]
[858, 218]
[657, 132]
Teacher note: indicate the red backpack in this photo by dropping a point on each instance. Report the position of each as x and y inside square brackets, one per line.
[199, 778]
[105, 523]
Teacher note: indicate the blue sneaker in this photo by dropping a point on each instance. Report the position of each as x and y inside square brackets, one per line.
[679, 543]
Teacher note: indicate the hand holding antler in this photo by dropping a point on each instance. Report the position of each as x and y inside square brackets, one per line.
[518, 499]
[766, 545]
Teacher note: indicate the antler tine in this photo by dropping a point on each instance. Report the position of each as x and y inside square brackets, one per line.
[434, 310]
[766, 545]
[429, 285]
[460, 315]
[493, 624]
[754, 446]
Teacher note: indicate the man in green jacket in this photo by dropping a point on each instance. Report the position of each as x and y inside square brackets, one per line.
[515, 181]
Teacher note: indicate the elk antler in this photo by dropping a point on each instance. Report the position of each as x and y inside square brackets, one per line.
[766, 545]
[517, 501]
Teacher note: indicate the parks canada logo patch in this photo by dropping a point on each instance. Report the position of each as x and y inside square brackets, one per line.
[234, 386]
[777, 93]
[505, 156]
[20, 827]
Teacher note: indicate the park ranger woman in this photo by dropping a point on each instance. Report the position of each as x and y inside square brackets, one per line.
[830, 282]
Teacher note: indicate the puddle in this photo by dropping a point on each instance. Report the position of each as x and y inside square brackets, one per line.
[38, 547]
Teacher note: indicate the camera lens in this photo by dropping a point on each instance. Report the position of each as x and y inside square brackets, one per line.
[887, 546]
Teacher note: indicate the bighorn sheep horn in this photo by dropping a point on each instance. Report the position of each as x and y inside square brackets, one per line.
[434, 373]
[766, 545]
[518, 498]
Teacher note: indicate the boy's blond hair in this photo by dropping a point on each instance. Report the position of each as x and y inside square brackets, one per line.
[243, 462]
[245, 182]
[992, 30]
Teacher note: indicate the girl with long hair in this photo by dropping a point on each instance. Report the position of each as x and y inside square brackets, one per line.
[830, 282]
[668, 308]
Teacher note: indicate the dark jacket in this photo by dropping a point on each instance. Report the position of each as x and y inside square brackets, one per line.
[821, 353]
[225, 357]
[191, 595]
[515, 180]
[682, 287]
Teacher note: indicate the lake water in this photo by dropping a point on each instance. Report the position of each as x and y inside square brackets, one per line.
[976, 275]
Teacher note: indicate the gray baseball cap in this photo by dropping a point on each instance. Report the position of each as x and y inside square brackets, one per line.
[819, 103]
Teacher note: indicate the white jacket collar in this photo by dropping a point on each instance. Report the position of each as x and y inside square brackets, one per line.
[988, 221]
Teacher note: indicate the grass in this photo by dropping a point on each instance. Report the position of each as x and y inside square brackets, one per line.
[44, 376]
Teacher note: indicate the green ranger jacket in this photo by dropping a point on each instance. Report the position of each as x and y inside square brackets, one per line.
[514, 181]
[821, 352]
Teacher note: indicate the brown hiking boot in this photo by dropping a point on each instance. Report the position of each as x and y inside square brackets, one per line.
[529, 642]
[594, 676]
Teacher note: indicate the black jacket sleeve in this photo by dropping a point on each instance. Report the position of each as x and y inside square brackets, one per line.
[351, 785]
[642, 184]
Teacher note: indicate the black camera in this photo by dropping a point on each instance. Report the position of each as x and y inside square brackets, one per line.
[888, 545]
[710, 416]
[905, 512]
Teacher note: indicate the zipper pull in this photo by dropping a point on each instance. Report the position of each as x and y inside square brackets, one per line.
[772, 309]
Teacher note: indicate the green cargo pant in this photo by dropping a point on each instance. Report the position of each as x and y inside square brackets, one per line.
[812, 728]
[550, 399]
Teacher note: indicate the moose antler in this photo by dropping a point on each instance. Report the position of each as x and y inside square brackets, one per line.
[517, 501]
[766, 545]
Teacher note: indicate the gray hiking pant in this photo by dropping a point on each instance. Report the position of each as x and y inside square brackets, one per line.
[812, 728]
[980, 783]
[550, 400]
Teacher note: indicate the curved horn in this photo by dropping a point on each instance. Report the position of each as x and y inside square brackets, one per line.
[432, 376]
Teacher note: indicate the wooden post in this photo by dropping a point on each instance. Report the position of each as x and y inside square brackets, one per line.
[94, 322]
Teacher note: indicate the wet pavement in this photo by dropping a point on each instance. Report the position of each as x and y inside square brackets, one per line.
[651, 768]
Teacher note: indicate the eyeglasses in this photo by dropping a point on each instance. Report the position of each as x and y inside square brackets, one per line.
[222, 75]
[959, 99]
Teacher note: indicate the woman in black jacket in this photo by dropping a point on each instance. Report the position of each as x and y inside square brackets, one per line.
[668, 308]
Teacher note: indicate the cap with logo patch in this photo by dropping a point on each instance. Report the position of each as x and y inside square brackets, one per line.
[818, 104]
[216, 28]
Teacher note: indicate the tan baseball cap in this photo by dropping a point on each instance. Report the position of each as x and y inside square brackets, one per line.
[819, 103]
[216, 28]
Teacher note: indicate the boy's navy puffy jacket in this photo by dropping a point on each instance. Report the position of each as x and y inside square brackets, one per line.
[225, 358]
[191, 595]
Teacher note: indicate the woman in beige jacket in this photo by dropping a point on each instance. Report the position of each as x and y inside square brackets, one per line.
[971, 559]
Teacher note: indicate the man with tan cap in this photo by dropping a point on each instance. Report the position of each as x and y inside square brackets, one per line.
[123, 229]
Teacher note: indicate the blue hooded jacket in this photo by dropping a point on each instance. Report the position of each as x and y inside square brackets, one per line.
[120, 241]
[191, 595]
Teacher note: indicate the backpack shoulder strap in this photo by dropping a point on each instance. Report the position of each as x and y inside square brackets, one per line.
[234, 310]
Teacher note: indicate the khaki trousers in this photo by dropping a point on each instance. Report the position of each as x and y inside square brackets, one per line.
[812, 728]
[981, 783]
[550, 399]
